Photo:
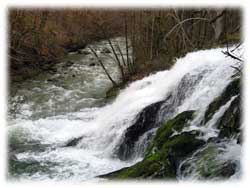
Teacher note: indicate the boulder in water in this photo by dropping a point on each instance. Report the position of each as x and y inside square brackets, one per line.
[165, 152]
[105, 51]
[230, 122]
[92, 64]
[145, 121]
[231, 90]
[205, 163]
[73, 142]
[83, 51]
[68, 64]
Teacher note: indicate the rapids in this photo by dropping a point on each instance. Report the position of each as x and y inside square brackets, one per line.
[47, 112]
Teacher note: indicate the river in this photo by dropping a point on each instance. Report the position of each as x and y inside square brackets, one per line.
[52, 109]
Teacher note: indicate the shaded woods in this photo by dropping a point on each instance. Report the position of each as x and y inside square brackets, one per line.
[39, 38]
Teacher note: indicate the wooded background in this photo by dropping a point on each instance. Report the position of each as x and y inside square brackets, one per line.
[39, 38]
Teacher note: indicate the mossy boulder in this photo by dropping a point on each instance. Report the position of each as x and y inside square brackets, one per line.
[231, 90]
[148, 168]
[165, 152]
[230, 122]
[206, 164]
[171, 126]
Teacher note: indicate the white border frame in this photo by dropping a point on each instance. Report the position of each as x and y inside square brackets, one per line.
[4, 6]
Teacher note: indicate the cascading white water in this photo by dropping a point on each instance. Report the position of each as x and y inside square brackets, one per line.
[210, 160]
[102, 128]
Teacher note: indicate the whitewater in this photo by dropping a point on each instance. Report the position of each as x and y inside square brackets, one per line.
[41, 128]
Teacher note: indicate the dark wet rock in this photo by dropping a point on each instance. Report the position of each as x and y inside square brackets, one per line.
[170, 145]
[12, 156]
[230, 122]
[52, 70]
[231, 90]
[56, 80]
[79, 51]
[75, 47]
[105, 51]
[176, 97]
[85, 52]
[68, 64]
[214, 140]
[92, 64]
[145, 121]
[164, 154]
[163, 161]
[240, 138]
[73, 142]
[73, 75]
[228, 169]
[206, 165]
[48, 67]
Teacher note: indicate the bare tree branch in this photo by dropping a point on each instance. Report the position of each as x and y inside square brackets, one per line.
[227, 53]
[182, 22]
[105, 70]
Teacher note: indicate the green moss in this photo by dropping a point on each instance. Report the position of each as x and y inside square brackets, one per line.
[153, 157]
[207, 165]
[167, 129]
[230, 122]
[165, 151]
[142, 169]
[181, 145]
[231, 90]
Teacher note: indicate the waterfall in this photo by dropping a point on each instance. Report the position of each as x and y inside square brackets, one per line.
[191, 84]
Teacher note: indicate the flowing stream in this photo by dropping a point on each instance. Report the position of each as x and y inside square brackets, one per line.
[52, 109]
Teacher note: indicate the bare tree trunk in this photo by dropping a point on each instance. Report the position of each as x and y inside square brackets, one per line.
[105, 70]
[117, 59]
[113, 50]
[133, 38]
[120, 51]
[126, 40]
[152, 38]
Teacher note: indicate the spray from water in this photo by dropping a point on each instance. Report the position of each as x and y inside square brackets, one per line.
[192, 84]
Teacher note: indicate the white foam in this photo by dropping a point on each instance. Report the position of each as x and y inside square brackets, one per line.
[103, 131]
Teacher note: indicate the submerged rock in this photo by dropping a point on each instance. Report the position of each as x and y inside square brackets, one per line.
[73, 142]
[83, 51]
[207, 164]
[92, 64]
[16, 167]
[75, 47]
[68, 64]
[105, 51]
